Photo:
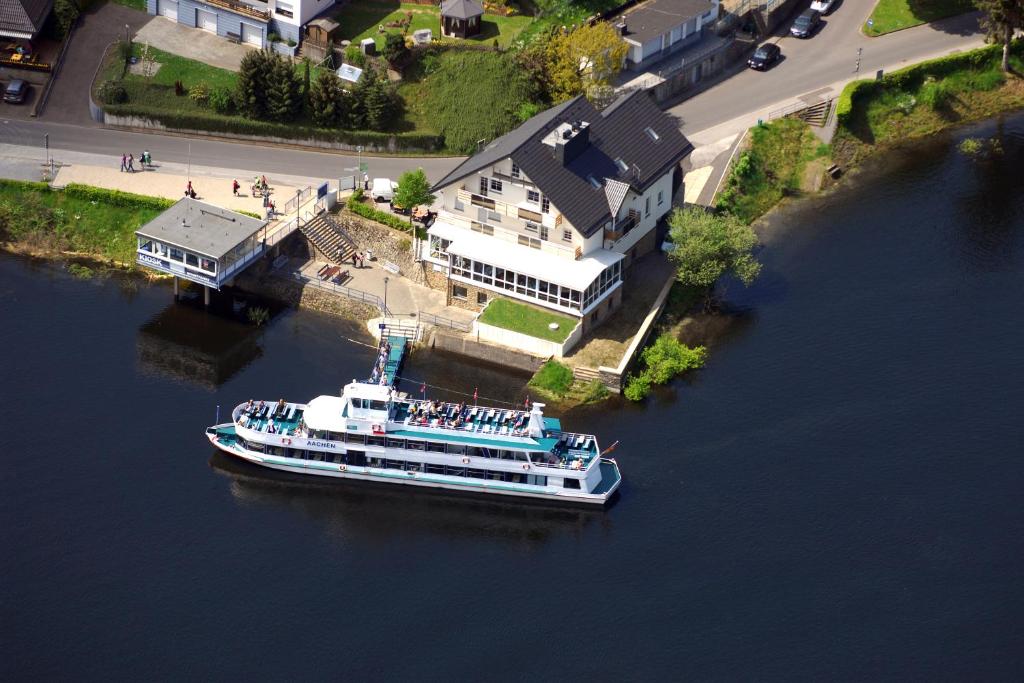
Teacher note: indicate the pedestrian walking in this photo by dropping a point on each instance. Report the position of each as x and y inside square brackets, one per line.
[355, 259]
[148, 158]
[124, 163]
[366, 181]
[131, 164]
[234, 187]
[272, 207]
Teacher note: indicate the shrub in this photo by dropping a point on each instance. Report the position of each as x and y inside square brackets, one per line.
[395, 50]
[354, 56]
[935, 94]
[666, 358]
[273, 37]
[637, 387]
[222, 101]
[554, 377]
[126, 200]
[388, 219]
[199, 93]
[594, 391]
[971, 146]
[112, 92]
[291, 42]
[404, 245]
[65, 12]
[988, 80]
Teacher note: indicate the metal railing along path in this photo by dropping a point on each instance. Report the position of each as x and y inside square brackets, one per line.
[441, 321]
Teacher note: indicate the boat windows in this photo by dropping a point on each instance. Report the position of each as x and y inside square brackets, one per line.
[356, 458]
[317, 456]
[375, 462]
[336, 436]
[456, 449]
[255, 446]
[413, 467]
[394, 443]
[571, 483]
[355, 438]
[435, 447]
[476, 452]
[435, 469]
[377, 405]
[476, 474]
[375, 441]
[455, 471]
[394, 464]
[415, 445]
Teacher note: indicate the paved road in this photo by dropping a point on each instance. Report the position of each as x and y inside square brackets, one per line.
[827, 58]
[245, 157]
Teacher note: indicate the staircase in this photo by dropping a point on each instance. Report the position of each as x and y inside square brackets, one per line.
[585, 374]
[816, 114]
[329, 238]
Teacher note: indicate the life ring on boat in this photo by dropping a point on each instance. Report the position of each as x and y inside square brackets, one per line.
[465, 461]
[526, 466]
[342, 468]
[377, 429]
[286, 442]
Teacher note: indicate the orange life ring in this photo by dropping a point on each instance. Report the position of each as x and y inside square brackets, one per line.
[526, 466]
[342, 468]
[286, 441]
[465, 461]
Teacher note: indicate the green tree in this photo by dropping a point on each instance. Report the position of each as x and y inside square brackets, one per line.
[1002, 18]
[254, 73]
[305, 77]
[375, 102]
[579, 59]
[284, 95]
[328, 101]
[65, 12]
[413, 189]
[395, 50]
[708, 246]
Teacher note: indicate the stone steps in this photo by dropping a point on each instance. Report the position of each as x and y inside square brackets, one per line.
[329, 238]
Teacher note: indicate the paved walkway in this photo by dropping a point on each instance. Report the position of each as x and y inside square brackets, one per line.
[193, 43]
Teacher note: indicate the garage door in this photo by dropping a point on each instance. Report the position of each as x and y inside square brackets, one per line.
[252, 35]
[206, 20]
[168, 8]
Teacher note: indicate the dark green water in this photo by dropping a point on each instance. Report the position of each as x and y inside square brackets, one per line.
[837, 495]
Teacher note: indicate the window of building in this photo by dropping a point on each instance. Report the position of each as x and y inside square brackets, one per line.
[661, 197]
[495, 185]
[531, 226]
[515, 170]
[651, 134]
[483, 185]
[481, 228]
[545, 205]
[177, 254]
[647, 207]
[459, 292]
[533, 196]
[529, 242]
[481, 298]
[493, 216]
[191, 259]
[207, 265]
[459, 205]
[285, 9]
[567, 235]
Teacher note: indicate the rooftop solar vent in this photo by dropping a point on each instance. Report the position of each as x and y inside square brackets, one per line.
[622, 165]
[651, 134]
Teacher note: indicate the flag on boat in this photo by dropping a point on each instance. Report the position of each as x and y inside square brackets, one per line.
[423, 389]
[474, 393]
[526, 403]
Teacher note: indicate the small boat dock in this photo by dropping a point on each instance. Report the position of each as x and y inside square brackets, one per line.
[391, 351]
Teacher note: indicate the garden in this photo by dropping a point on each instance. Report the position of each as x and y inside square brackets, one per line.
[366, 19]
[528, 320]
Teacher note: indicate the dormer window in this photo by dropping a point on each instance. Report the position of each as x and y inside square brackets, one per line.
[651, 134]
[594, 182]
[515, 170]
[621, 165]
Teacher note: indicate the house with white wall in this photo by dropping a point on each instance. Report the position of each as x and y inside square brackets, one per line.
[248, 21]
[655, 29]
[554, 212]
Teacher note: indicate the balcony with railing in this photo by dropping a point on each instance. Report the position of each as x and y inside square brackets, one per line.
[256, 10]
[623, 226]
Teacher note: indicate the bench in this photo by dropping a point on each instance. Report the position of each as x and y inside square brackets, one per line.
[391, 267]
[234, 37]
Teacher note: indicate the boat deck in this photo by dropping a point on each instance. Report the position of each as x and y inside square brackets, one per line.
[610, 476]
[390, 356]
[285, 422]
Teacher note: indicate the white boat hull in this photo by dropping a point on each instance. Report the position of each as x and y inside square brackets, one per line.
[421, 479]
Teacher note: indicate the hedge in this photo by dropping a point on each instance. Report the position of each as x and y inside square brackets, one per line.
[125, 200]
[213, 123]
[388, 219]
[912, 77]
[26, 185]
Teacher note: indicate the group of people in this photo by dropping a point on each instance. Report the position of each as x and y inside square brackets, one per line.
[422, 413]
[378, 375]
[128, 162]
[255, 410]
[358, 259]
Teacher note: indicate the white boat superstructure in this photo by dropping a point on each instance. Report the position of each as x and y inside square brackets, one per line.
[372, 433]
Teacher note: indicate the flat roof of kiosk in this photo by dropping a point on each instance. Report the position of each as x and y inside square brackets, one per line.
[201, 228]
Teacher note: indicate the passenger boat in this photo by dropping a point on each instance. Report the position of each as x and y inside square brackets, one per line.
[372, 433]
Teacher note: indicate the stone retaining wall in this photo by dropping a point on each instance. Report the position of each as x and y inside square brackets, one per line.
[489, 353]
[385, 243]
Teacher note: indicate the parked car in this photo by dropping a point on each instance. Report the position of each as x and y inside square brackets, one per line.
[15, 91]
[383, 189]
[823, 6]
[764, 56]
[805, 24]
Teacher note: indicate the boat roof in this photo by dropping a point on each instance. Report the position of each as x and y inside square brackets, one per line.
[374, 392]
[450, 435]
[324, 412]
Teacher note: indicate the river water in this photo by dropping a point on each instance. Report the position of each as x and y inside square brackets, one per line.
[837, 495]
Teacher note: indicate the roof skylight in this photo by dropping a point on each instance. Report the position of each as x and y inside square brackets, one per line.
[622, 165]
[651, 134]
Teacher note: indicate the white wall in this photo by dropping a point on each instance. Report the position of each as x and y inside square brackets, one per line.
[541, 348]
[647, 223]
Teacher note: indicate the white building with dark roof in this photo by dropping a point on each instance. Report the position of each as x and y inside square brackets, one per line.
[23, 19]
[656, 29]
[554, 211]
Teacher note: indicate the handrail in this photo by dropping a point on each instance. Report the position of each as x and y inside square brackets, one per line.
[351, 293]
[241, 8]
[441, 321]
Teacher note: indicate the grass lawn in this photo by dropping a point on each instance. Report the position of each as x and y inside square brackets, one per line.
[772, 168]
[893, 15]
[56, 220]
[361, 20]
[528, 320]
[553, 377]
[134, 4]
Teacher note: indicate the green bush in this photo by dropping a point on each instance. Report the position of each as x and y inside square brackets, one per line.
[388, 219]
[65, 12]
[354, 56]
[273, 37]
[637, 387]
[935, 94]
[239, 125]
[112, 92]
[125, 200]
[553, 377]
[222, 101]
[666, 358]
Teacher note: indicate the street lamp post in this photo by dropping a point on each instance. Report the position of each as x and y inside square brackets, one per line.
[385, 296]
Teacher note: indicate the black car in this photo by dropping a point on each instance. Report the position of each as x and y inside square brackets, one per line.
[16, 91]
[805, 24]
[764, 56]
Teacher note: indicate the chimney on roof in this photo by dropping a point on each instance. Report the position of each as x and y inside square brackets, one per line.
[569, 140]
[621, 26]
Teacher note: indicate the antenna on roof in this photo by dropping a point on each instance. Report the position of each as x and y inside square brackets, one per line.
[636, 171]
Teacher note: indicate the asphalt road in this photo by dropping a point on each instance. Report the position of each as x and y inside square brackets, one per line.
[827, 57]
[808, 66]
[254, 158]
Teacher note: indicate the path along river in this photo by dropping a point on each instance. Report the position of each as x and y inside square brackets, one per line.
[836, 496]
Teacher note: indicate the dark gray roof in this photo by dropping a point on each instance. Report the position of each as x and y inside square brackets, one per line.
[461, 9]
[617, 133]
[200, 227]
[24, 16]
[655, 17]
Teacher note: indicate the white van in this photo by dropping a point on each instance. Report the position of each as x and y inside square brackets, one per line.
[383, 189]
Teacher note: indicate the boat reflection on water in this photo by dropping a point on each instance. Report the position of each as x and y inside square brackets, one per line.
[202, 347]
[365, 510]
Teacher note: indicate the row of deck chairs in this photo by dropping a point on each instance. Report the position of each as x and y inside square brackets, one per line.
[576, 444]
[474, 418]
[335, 274]
[270, 410]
